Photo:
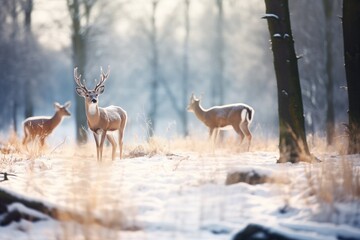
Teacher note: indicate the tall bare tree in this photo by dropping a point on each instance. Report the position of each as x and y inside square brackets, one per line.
[330, 117]
[13, 6]
[80, 12]
[185, 71]
[292, 140]
[217, 89]
[351, 34]
[27, 6]
[154, 63]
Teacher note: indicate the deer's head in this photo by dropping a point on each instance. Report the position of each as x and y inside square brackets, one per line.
[62, 109]
[91, 96]
[194, 102]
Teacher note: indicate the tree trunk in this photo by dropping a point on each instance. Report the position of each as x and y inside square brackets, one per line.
[14, 117]
[154, 63]
[29, 92]
[330, 118]
[292, 140]
[218, 79]
[13, 54]
[351, 34]
[185, 76]
[79, 60]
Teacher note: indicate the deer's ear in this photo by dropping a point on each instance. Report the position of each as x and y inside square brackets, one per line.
[57, 105]
[67, 104]
[100, 90]
[80, 91]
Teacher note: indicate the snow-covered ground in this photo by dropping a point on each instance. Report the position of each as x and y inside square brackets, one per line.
[183, 195]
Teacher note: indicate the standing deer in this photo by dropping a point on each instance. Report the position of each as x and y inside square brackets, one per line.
[42, 126]
[101, 120]
[238, 116]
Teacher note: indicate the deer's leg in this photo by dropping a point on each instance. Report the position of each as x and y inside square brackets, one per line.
[102, 143]
[211, 132]
[25, 140]
[96, 137]
[42, 141]
[239, 132]
[111, 139]
[245, 128]
[216, 134]
[121, 135]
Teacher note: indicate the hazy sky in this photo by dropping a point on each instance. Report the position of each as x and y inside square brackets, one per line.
[51, 20]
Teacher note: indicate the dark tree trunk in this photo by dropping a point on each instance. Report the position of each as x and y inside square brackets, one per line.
[29, 92]
[14, 112]
[154, 63]
[292, 142]
[79, 60]
[218, 78]
[185, 76]
[351, 34]
[330, 117]
[14, 55]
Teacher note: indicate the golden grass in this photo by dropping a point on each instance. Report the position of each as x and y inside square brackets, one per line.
[334, 181]
[91, 216]
[228, 144]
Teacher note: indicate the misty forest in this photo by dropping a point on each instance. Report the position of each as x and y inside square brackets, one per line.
[154, 81]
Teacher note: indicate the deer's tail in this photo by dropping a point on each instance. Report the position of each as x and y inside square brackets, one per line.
[250, 114]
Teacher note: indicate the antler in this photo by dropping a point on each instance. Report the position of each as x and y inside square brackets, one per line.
[77, 79]
[103, 78]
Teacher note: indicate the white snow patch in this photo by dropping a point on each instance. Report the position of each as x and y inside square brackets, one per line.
[179, 197]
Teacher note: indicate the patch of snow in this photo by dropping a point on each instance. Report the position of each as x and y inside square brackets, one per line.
[172, 198]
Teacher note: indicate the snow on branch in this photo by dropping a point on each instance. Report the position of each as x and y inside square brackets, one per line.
[270, 16]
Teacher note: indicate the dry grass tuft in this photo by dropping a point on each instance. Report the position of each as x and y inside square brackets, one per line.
[227, 144]
[334, 181]
[13, 145]
[154, 146]
[93, 212]
[332, 185]
[318, 144]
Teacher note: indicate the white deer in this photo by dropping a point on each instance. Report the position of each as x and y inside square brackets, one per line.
[42, 126]
[101, 120]
[238, 116]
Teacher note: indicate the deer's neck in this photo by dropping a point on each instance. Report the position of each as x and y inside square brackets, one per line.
[200, 112]
[55, 120]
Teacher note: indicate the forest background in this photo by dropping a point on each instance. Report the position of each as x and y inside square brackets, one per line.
[159, 53]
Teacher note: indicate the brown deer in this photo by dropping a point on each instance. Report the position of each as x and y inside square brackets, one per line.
[101, 120]
[238, 116]
[42, 126]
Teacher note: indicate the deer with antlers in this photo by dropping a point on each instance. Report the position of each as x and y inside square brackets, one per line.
[237, 116]
[102, 120]
[40, 127]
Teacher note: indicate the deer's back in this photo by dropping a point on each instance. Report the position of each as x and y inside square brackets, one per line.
[222, 116]
[37, 125]
[116, 116]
